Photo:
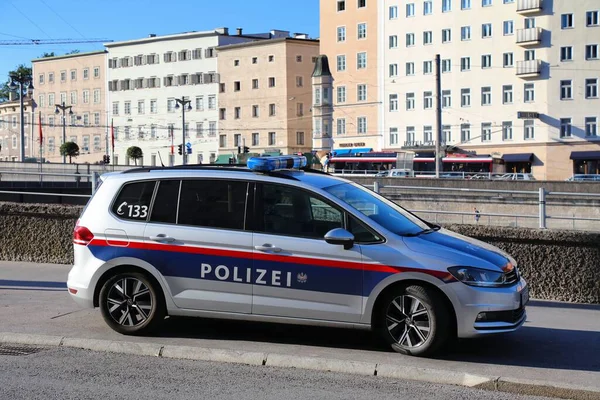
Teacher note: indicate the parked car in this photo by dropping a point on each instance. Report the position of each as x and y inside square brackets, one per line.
[395, 173]
[584, 178]
[516, 177]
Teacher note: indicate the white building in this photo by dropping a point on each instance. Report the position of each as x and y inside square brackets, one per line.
[499, 58]
[146, 76]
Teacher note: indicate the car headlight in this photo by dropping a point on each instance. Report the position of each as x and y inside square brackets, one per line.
[478, 277]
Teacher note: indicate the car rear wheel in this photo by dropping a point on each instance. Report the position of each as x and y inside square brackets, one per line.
[131, 303]
[414, 320]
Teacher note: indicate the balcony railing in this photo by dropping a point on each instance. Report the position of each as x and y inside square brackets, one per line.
[529, 36]
[528, 6]
[529, 68]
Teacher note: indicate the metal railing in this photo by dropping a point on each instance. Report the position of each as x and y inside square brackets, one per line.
[529, 5]
[529, 35]
[40, 176]
[529, 67]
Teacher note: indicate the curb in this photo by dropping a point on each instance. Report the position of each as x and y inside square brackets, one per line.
[496, 384]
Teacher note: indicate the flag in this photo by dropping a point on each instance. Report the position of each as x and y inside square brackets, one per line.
[112, 136]
[40, 124]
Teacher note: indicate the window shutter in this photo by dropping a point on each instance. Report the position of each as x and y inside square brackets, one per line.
[165, 81]
[157, 82]
[165, 57]
[217, 78]
[143, 60]
[193, 79]
[189, 55]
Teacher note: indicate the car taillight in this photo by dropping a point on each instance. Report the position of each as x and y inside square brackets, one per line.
[82, 235]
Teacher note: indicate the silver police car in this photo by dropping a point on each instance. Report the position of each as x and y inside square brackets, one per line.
[289, 245]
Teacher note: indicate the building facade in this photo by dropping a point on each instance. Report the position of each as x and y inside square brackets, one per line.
[10, 130]
[146, 76]
[79, 81]
[265, 95]
[519, 78]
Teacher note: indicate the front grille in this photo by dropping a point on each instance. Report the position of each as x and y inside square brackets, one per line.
[511, 277]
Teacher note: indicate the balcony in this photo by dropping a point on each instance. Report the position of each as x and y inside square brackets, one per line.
[529, 6]
[529, 69]
[530, 36]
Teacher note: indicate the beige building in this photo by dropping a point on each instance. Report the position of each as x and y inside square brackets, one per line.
[10, 130]
[78, 81]
[265, 96]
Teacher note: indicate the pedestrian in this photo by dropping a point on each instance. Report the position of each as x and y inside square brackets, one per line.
[477, 215]
[326, 163]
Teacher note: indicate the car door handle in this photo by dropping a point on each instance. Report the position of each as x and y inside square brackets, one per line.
[162, 238]
[268, 247]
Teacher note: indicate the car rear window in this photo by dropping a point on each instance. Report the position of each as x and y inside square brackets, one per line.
[133, 201]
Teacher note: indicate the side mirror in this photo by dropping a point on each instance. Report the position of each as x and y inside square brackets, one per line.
[340, 236]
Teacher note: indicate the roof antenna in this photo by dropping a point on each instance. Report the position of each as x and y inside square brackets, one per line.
[160, 158]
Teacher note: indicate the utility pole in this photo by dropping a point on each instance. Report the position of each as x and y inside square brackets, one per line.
[183, 102]
[62, 107]
[438, 115]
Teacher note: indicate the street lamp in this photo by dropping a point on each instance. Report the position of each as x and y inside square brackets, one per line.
[22, 84]
[62, 107]
[183, 103]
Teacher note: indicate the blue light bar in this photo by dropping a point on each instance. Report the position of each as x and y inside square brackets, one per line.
[267, 164]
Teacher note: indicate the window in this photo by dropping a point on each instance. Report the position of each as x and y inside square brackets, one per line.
[341, 94]
[255, 139]
[410, 134]
[486, 61]
[237, 112]
[393, 136]
[566, 90]
[393, 41]
[127, 108]
[341, 126]
[153, 106]
[393, 70]
[507, 94]
[362, 3]
[237, 139]
[74, 75]
[96, 72]
[362, 31]
[300, 138]
[529, 130]
[73, 98]
[465, 33]
[86, 73]
[529, 55]
[299, 58]
[341, 5]
[410, 10]
[529, 23]
[591, 52]
[410, 39]
[427, 134]
[212, 102]
[393, 12]
[427, 7]
[271, 58]
[97, 119]
[42, 101]
[317, 96]
[446, 98]
[290, 211]
[446, 5]
[509, 28]
[141, 107]
[508, 60]
[341, 63]
[299, 109]
[410, 101]
[465, 4]
[486, 30]
[51, 100]
[566, 21]
[465, 63]
[115, 108]
[591, 126]
[465, 97]
[299, 82]
[50, 77]
[592, 18]
[63, 76]
[199, 103]
[486, 96]
[133, 202]
[96, 96]
[199, 129]
[486, 132]
[427, 67]
[446, 65]
[446, 134]
[361, 92]
[393, 102]
[427, 100]
[410, 68]
[446, 35]
[63, 97]
[272, 82]
[212, 203]
[591, 88]
[507, 130]
[566, 53]
[272, 138]
[465, 133]
[486, 3]
[529, 91]
[361, 60]
[565, 127]
[341, 34]
[362, 124]
[272, 110]
[427, 37]
[41, 79]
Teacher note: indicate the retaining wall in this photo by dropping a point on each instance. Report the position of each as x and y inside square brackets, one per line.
[559, 265]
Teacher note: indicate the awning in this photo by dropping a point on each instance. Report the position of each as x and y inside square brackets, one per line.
[585, 155]
[341, 152]
[360, 150]
[222, 159]
[518, 158]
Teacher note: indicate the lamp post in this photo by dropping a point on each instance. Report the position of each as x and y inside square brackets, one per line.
[19, 82]
[183, 102]
[62, 107]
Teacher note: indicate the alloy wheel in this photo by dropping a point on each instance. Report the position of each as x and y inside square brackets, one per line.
[408, 321]
[129, 302]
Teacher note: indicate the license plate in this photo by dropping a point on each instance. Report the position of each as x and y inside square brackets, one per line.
[524, 296]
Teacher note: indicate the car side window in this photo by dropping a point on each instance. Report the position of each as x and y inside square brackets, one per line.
[133, 201]
[164, 209]
[361, 233]
[213, 203]
[294, 212]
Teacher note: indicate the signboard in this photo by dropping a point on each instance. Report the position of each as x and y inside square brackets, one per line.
[528, 115]
[361, 144]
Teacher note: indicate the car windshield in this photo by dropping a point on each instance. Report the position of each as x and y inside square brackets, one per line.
[386, 213]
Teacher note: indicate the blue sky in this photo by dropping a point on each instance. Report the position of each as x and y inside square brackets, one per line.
[130, 19]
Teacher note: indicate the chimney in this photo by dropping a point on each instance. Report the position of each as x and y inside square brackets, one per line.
[222, 31]
[239, 31]
[152, 35]
[300, 36]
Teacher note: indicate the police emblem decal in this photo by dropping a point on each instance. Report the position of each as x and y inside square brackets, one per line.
[302, 277]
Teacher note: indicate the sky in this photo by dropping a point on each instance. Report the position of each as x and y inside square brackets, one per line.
[132, 19]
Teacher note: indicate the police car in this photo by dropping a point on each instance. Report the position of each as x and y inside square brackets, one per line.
[277, 242]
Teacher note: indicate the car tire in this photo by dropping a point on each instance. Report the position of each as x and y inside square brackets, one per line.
[131, 303]
[414, 320]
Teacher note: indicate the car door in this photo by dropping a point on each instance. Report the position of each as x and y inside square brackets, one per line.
[295, 272]
[196, 238]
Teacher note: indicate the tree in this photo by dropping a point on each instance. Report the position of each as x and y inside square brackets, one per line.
[135, 153]
[4, 91]
[74, 52]
[69, 149]
[46, 55]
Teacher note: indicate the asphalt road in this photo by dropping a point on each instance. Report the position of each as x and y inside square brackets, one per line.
[559, 342]
[61, 373]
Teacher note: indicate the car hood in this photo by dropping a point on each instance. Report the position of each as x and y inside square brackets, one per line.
[459, 250]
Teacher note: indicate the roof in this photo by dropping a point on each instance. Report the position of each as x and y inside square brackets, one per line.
[184, 35]
[89, 53]
[321, 67]
[265, 42]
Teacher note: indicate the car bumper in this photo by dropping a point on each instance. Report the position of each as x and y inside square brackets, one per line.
[82, 278]
[484, 311]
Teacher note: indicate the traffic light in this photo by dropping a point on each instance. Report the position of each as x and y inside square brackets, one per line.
[246, 149]
[180, 149]
[239, 149]
[106, 159]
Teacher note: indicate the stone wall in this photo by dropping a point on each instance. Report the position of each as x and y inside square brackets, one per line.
[559, 265]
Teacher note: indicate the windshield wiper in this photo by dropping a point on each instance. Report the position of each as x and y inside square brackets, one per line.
[434, 228]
